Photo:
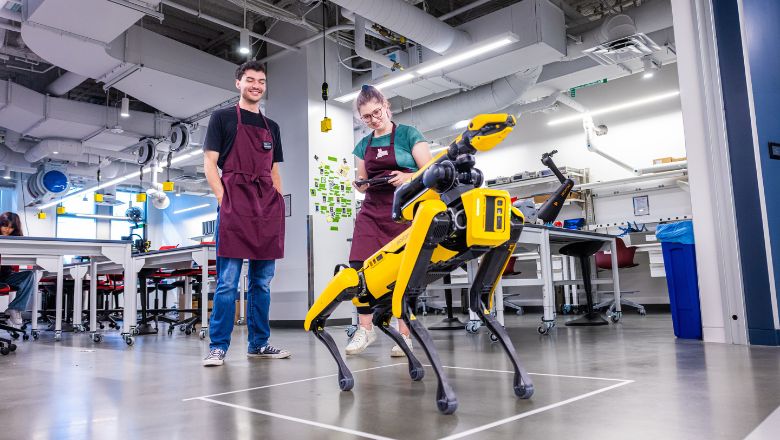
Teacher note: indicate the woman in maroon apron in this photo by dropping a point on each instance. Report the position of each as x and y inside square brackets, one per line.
[394, 151]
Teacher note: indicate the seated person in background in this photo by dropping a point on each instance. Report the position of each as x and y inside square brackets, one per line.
[22, 282]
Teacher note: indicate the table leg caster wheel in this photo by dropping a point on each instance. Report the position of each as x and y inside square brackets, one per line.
[615, 317]
[188, 332]
[170, 331]
[642, 312]
[240, 321]
[129, 340]
[26, 337]
[58, 335]
[524, 391]
[35, 335]
[134, 331]
[493, 337]
[182, 328]
[202, 334]
[543, 329]
[447, 406]
[351, 331]
[4, 351]
[97, 337]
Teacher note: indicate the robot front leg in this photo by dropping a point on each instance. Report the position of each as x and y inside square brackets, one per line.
[431, 225]
[446, 400]
[382, 317]
[480, 301]
[344, 286]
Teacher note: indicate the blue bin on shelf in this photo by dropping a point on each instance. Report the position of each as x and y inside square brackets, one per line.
[679, 251]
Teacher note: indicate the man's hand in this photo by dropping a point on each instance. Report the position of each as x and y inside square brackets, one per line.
[212, 174]
[399, 178]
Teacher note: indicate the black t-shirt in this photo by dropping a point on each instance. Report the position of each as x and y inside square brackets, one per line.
[222, 132]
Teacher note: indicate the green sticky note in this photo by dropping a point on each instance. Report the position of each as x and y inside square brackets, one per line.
[334, 228]
[332, 159]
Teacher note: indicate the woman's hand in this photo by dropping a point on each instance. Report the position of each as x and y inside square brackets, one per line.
[361, 188]
[399, 178]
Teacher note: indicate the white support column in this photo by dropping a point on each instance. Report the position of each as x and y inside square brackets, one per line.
[717, 253]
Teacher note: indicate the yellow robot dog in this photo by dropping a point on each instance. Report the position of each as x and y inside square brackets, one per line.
[453, 221]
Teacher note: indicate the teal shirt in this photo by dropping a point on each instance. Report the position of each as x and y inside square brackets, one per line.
[405, 138]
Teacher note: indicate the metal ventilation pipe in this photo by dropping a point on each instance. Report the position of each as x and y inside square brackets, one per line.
[65, 83]
[360, 45]
[51, 147]
[484, 99]
[411, 22]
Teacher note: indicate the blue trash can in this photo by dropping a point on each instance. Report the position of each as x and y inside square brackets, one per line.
[677, 244]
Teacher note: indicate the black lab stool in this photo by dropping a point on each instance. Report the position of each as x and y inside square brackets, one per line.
[583, 251]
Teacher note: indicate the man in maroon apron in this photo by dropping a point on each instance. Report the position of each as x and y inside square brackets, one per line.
[250, 220]
[392, 151]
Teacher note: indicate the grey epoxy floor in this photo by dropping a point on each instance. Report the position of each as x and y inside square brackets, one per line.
[658, 388]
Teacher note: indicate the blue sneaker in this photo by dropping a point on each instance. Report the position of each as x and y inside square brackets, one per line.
[268, 352]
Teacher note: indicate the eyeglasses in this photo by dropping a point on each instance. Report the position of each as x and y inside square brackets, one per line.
[376, 114]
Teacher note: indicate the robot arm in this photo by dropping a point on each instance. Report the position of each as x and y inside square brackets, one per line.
[552, 207]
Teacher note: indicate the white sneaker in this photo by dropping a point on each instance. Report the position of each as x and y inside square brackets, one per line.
[396, 350]
[360, 341]
[215, 358]
[15, 317]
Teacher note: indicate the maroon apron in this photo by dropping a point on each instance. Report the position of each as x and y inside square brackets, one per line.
[251, 217]
[374, 226]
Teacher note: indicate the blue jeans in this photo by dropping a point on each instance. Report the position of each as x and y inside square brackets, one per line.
[22, 282]
[260, 274]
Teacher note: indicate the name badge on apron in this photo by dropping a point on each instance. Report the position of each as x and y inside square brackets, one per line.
[267, 146]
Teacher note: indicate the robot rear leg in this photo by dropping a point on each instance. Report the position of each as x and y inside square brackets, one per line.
[344, 286]
[382, 321]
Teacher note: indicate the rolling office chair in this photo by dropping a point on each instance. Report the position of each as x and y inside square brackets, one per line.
[625, 259]
[583, 250]
[7, 345]
[110, 288]
[187, 325]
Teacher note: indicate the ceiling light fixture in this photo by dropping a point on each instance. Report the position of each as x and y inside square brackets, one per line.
[395, 80]
[479, 49]
[440, 63]
[616, 108]
[192, 208]
[461, 124]
[243, 46]
[243, 40]
[124, 111]
[650, 65]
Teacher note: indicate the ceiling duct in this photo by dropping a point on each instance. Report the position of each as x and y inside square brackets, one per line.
[488, 98]
[69, 147]
[25, 112]
[409, 21]
[65, 83]
[97, 39]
